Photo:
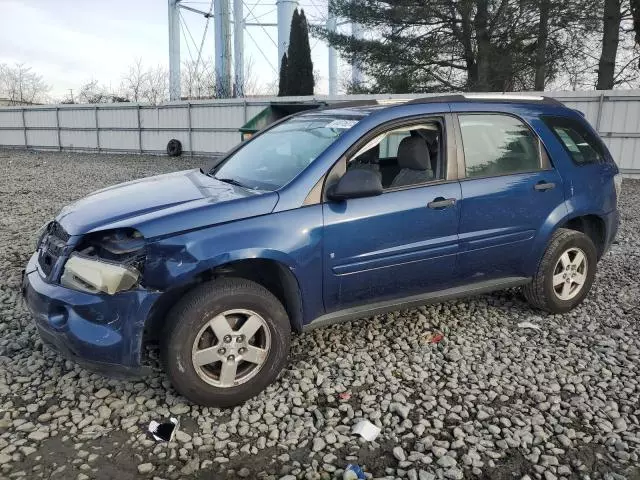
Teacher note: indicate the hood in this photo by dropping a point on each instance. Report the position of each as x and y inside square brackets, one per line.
[146, 204]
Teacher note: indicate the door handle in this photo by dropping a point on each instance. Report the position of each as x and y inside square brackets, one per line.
[441, 202]
[543, 186]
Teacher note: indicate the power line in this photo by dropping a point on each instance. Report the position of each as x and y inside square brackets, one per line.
[204, 34]
[262, 52]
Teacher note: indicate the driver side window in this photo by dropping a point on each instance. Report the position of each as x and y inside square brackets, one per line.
[404, 156]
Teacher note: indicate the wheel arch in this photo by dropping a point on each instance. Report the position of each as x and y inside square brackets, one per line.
[273, 274]
[591, 225]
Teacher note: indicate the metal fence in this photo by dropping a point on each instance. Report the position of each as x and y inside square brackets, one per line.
[211, 127]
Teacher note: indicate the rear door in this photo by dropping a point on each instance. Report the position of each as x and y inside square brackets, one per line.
[509, 190]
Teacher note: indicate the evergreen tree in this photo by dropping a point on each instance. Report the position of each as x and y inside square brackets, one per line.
[300, 79]
[282, 84]
[414, 46]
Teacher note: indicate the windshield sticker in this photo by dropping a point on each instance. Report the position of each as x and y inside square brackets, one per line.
[342, 124]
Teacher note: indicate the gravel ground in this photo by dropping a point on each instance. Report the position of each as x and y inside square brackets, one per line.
[490, 400]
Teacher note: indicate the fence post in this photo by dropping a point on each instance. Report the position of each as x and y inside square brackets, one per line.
[190, 131]
[58, 128]
[139, 131]
[95, 111]
[600, 102]
[244, 112]
[24, 130]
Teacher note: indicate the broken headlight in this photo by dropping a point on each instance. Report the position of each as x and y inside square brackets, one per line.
[106, 262]
[38, 235]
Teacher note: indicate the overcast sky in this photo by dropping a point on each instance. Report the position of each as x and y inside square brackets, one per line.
[70, 42]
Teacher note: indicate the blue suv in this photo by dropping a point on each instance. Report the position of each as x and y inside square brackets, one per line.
[328, 215]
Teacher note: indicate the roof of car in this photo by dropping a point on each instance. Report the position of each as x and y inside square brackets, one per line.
[365, 107]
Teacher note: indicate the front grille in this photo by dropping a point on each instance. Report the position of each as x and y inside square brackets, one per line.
[52, 247]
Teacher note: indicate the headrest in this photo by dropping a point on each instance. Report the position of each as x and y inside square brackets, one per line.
[414, 154]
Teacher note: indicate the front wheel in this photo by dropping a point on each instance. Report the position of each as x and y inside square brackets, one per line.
[565, 273]
[225, 341]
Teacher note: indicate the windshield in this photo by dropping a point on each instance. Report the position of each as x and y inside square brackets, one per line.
[274, 158]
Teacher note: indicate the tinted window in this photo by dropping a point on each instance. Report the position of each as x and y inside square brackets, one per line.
[578, 141]
[497, 145]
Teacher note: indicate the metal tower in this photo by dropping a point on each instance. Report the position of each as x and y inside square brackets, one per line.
[174, 50]
[227, 86]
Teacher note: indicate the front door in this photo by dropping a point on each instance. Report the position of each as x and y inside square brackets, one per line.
[403, 242]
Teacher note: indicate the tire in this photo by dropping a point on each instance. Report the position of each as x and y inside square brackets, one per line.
[542, 293]
[192, 317]
[174, 148]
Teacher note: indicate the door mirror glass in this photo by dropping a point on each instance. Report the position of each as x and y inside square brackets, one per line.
[356, 183]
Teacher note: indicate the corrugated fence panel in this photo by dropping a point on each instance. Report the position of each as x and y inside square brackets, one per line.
[42, 138]
[214, 142]
[211, 126]
[153, 141]
[40, 118]
[165, 118]
[625, 152]
[114, 117]
[77, 118]
[78, 139]
[119, 141]
[224, 116]
[12, 138]
[11, 118]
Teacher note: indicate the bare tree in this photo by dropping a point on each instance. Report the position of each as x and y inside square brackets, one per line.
[93, 92]
[156, 85]
[133, 82]
[253, 86]
[198, 80]
[19, 84]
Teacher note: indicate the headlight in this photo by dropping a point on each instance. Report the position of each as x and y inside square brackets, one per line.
[108, 262]
[94, 276]
[38, 235]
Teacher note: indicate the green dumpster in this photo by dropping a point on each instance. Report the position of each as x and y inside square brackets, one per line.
[274, 112]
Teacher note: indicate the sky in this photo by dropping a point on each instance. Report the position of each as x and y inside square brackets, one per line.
[71, 42]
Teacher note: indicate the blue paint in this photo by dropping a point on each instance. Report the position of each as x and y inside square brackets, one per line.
[341, 254]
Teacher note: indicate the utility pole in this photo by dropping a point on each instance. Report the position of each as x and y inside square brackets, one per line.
[238, 47]
[174, 50]
[222, 30]
[285, 14]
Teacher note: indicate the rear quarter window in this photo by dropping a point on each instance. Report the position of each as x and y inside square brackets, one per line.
[579, 142]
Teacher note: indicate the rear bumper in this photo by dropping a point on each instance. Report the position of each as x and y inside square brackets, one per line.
[101, 332]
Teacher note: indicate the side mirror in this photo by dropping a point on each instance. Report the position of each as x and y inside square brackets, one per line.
[356, 183]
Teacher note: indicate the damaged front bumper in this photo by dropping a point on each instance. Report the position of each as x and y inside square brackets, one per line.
[99, 331]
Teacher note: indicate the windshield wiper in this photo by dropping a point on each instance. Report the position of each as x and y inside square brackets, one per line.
[231, 181]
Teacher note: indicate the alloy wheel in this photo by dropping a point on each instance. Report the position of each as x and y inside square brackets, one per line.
[570, 274]
[231, 348]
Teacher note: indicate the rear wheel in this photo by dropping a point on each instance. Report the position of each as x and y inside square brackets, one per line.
[225, 341]
[565, 273]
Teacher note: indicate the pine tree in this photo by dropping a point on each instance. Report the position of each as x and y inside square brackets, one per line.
[456, 45]
[300, 79]
[282, 84]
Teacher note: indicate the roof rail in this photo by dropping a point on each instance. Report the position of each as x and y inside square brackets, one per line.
[487, 97]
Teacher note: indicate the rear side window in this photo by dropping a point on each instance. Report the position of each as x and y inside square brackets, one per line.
[497, 144]
[582, 146]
